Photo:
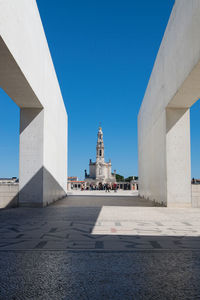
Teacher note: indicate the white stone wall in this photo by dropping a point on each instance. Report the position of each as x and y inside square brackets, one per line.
[163, 120]
[9, 195]
[195, 195]
[105, 171]
[93, 171]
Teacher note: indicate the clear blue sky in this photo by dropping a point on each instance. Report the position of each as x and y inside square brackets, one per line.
[103, 52]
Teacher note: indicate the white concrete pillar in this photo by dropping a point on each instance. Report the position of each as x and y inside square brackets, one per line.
[178, 157]
[37, 185]
[69, 186]
[27, 75]
[31, 157]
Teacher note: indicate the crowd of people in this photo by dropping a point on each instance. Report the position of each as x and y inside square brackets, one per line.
[102, 187]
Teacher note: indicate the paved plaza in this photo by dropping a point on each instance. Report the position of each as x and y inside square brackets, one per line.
[95, 193]
[100, 248]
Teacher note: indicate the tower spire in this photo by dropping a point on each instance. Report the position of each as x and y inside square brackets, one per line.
[100, 145]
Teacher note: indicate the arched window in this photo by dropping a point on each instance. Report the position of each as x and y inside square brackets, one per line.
[99, 152]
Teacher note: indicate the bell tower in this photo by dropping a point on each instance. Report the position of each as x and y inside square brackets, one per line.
[100, 146]
[100, 171]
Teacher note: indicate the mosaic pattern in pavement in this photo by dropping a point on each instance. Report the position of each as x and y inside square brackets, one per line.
[114, 228]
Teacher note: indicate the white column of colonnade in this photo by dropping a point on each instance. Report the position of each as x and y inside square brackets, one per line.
[164, 117]
[27, 75]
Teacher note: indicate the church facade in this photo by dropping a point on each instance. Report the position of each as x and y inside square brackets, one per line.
[100, 171]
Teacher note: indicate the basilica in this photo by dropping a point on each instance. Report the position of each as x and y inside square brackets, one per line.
[100, 171]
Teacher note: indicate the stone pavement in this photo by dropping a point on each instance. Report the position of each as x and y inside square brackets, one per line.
[58, 275]
[100, 248]
[117, 193]
[93, 224]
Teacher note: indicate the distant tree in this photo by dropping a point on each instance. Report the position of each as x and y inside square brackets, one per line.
[128, 179]
[119, 177]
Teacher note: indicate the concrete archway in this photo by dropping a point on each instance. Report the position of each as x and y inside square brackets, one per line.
[164, 117]
[27, 75]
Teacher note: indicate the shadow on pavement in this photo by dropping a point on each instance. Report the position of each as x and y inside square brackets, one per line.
[53, 253]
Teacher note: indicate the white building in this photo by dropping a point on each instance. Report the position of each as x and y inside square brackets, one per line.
[12, 180]
[100, 171]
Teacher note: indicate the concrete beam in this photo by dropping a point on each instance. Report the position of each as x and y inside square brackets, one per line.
[27, 75]
[163, 134]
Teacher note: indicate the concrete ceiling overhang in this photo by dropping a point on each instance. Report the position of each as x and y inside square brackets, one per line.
[14, 82]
